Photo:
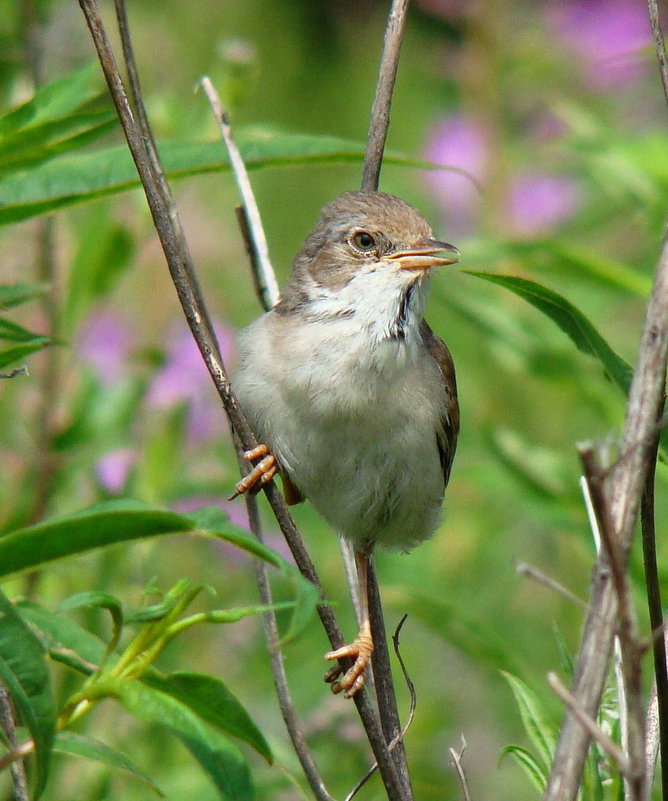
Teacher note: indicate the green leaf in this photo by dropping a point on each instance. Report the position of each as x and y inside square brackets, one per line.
[18, 352]
[16, 294]
[66, 641]
[104, 252]
[29, 148]
[571, 321]
[55, 100]
[102, 600]
[73, 179]
[13, 332]
[103, 524]
[79, 745]
[211, 521]
[603, 269]
[24, 673]
[533, 720]
[209, 698]
[116, 521]
[529, 764]
[220, 758]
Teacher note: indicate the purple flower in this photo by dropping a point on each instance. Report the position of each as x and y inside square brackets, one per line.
[184, 378]
[105, 343]
[113, 469]
[462, 143]
[539, 202]
[607, 35]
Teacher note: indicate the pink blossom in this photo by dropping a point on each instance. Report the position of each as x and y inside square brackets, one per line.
[607, 35]
[113, 469]
[105, 342]
[460, 142]
[539, 202]
[184, 378]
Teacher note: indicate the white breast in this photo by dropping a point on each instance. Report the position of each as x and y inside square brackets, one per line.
[352, 417]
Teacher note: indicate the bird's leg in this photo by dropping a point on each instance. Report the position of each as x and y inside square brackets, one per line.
[361, 647]
[261, 473]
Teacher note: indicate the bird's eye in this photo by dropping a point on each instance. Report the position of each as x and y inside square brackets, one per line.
[363, 241]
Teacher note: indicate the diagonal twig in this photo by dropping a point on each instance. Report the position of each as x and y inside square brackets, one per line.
[263, 271]
[380, 111]
[164, 214]
[627, 481]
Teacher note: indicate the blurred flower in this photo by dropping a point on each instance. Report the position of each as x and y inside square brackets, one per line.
[113, 469]
[462, 143]
[184, 378]
[606, 34]
[539, 202]
[105, 343]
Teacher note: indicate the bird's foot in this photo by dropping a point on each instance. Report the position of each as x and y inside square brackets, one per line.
[360, 649]
[261, 474]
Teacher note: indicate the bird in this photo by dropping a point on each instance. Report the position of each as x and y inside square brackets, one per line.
[351, 395]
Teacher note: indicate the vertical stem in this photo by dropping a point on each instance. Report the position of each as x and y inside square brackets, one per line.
[648, 535]
[382, 675]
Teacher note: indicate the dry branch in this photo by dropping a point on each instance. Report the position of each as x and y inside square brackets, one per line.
[180, 266]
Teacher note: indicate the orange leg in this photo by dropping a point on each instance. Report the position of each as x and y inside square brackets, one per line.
[261, 474]
[360, 648]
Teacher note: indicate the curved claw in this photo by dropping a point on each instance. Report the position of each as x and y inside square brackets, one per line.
[360, 649]
[261, 474]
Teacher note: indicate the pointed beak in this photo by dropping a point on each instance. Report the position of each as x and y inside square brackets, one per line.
[424, 255]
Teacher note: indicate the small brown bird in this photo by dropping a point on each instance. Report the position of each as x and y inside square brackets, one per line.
[352, 395]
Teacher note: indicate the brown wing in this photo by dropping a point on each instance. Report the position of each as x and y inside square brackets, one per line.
[447, 437]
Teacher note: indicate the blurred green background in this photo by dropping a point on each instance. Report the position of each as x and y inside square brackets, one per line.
[554, 110]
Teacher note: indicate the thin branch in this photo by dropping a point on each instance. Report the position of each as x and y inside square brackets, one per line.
[8, 725]
[380, 112]
[627, 481]
[411, 712]
[531, 572]
[266, 279]
[149, 150]
[659, 43]
[655, 606]
[283, 694]
[164, 217]
[628, 649]
[378, 127]
[459, 768]
[588, 723]
[652, 741]
[382, 676]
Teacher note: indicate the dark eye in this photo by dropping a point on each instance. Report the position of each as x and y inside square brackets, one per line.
[363, 241]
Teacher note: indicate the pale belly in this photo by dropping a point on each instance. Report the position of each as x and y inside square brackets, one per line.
[360, 445]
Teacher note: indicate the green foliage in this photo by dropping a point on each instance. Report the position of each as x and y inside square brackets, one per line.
[526, 394]
[24, 673]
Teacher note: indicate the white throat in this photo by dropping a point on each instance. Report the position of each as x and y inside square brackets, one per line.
[383, 308]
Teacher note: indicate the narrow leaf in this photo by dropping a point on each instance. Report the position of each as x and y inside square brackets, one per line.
[89, 748]
[529, 764]
[102, 600]
[571, 321]
[24, 673]
[56, 99]
[16, 294]
[72, 179]
[103, 524]
[220, 758]
[212, 522]
[209, 698]
[13, 332]
[533, 719]
[65, 640]
[22, 351]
